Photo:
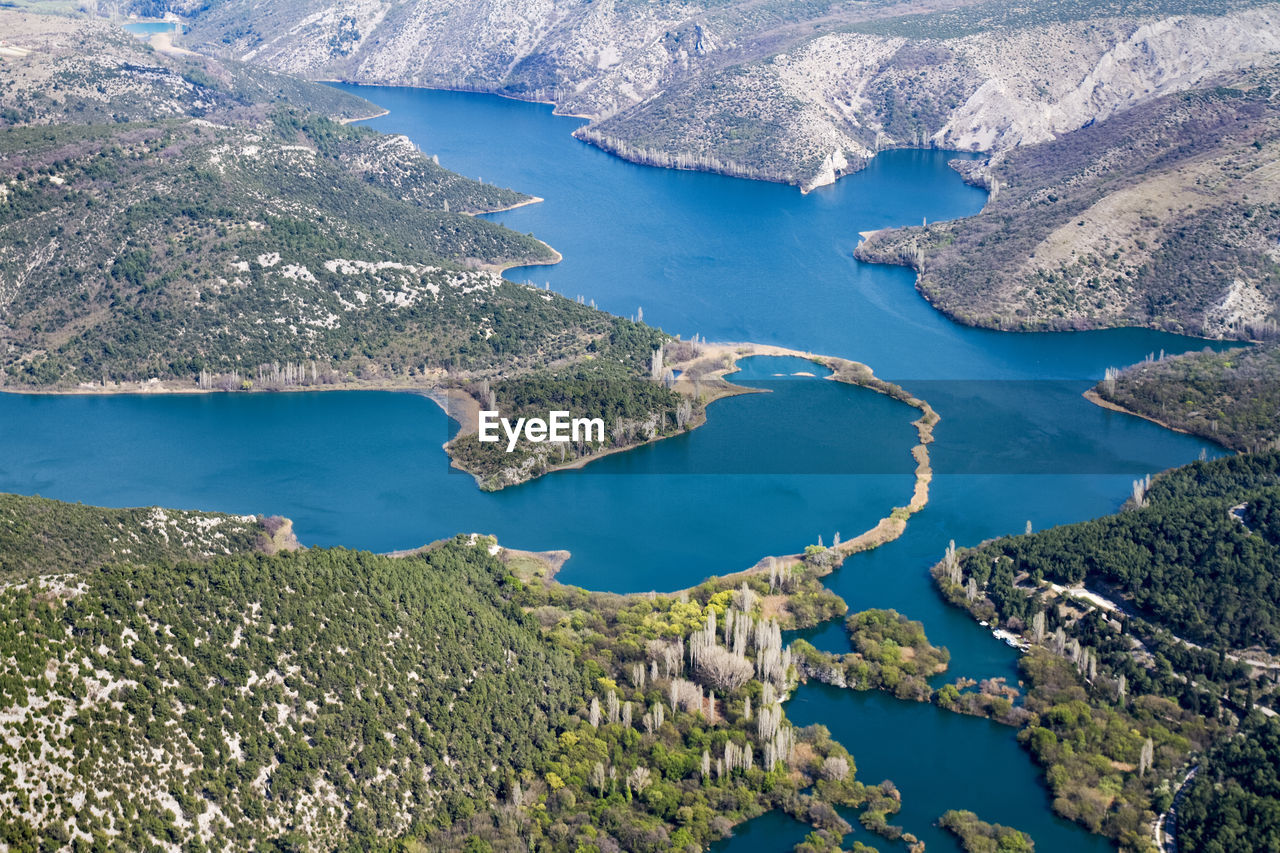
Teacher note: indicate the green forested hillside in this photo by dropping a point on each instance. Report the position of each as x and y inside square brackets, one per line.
[163, 250]
[1230, 397]
[1233, 804]
[1180, 559]
[633, 409]
[1126, 688]
[332, 699]
[168, 217]
[328, 693]
[40, 537]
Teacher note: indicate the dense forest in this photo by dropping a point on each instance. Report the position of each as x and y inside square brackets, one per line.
[250, 697]
[1122, 697]
[453, 698]
[1230, 397]
[633, 409]
[38, 536]
[1180, 561]
[1233, 803]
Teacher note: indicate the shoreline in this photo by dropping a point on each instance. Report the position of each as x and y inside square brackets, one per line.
[1098, 400]
[886, 530]
[533, 199]
[354, 119]
[893, 525]
[868, 253]
[555, 108]
[719, 359]
[744, 171]
[503, 267]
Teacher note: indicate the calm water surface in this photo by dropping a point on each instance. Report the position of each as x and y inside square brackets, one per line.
[731, 260]
[143, 29]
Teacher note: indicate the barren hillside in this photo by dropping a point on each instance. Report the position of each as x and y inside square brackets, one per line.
[795, 92]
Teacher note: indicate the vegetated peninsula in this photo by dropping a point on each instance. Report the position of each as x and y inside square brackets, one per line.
[210, 686]
[978, 836]
[785, 91]
[1230, 397]
[1163, 216]
[172, 222]
[1152, 636]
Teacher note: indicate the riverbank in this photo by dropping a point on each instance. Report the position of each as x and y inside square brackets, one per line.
[370, 117]
[1098, 400]
[832, 168]
[500, 268]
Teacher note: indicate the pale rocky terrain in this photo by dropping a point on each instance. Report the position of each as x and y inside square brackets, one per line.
[1165, 216]
[56, 69]
[835, 101]
[793, 92]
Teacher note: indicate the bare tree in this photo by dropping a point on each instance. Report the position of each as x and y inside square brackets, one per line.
[835, 767]
[723, 669]
[598, 778]
[638, 778]
[612, 703]
[1147, 757]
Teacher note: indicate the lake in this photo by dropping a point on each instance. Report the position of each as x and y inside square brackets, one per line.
[146, 29]
[770, 473]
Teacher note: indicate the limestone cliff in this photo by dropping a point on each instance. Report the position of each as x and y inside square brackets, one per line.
[795, 92]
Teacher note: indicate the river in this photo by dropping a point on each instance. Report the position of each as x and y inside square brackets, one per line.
[730, 260]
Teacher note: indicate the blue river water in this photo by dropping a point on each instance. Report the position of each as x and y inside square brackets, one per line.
[144, 29]
[730, 260]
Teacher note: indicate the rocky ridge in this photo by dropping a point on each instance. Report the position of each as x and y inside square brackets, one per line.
[799, 93]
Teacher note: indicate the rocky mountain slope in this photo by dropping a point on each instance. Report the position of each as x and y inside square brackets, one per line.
[74, 70]
[796, 92]
[1166, 215]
